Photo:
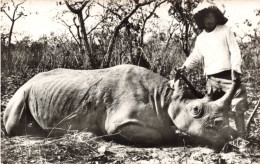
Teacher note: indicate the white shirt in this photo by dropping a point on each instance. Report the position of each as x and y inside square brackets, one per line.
[218, 49]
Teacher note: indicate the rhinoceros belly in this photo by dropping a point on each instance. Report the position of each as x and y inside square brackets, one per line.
[65, 101]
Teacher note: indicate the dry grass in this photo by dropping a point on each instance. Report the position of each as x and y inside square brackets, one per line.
[84, 148]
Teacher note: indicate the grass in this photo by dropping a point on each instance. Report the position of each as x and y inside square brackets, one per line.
[82, 148]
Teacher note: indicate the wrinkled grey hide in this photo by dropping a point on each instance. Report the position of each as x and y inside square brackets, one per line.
[127, 100]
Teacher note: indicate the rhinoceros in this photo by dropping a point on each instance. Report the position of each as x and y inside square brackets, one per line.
[126, 101]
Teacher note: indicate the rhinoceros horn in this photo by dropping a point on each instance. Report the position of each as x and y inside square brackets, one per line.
[226, 99]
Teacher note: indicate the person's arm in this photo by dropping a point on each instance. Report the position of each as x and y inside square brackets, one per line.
[193, 58]
[235, 54]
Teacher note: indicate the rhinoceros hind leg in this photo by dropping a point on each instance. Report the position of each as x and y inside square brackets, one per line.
[19, 121]
[136, 134]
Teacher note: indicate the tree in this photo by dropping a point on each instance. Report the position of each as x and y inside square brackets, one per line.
[126, 14]
[13, 11]
[181, 10]
[249, 42]
[76, 7]
[140, 59]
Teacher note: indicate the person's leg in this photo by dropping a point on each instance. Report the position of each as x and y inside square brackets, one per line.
[239, 106]
[213, 87]
[240, 124]
[239, 103]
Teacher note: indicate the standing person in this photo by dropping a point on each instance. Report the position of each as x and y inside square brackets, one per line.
[217, 48]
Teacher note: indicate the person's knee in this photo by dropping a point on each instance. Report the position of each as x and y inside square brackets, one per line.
[241, 92]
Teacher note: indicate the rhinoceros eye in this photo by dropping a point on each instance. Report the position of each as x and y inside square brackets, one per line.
[196, 111]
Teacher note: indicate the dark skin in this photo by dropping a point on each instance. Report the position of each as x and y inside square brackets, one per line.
[210, 22]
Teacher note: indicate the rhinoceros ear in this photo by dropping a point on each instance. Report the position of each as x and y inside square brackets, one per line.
[170, 84]
[174, 84]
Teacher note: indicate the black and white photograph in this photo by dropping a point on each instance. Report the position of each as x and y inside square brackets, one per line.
[130, 81]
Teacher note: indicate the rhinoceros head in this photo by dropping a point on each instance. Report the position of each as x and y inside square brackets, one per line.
[204, 118]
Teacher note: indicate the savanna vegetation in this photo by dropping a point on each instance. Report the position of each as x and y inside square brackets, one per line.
[117, 38]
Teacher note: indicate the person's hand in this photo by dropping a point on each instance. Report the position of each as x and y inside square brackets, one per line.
[235, 76]
[181, 69]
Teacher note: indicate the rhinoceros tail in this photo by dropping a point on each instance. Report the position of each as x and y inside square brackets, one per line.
[18, 119]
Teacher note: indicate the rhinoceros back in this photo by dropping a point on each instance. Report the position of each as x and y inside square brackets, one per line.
[62, 96]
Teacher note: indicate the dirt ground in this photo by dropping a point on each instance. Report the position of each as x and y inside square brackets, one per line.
[83, 148]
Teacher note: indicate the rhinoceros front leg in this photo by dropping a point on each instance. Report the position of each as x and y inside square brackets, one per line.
[134, 132]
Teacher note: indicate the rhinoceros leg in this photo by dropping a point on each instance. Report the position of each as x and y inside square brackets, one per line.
[17, 117]
[132, 132]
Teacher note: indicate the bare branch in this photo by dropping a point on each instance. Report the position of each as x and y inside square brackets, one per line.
[70, 8]
[148, 17]
[21, 3]
[83, 5]
[92, 29]
[75, 11]
[65, 23]
[69, 27]
[15, 10]
[7, 14]
[152, 12]
[19, 16]
[134, 10]
[13, 3]
[111, 11]
[136, 1]
[112, 41]
[3, 7]
[77, 27]
[174, 27]
[87, 13]
[13, 19]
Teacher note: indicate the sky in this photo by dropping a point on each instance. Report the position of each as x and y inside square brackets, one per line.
[41, 14]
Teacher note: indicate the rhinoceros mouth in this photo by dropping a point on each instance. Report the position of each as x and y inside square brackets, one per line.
[215, 132]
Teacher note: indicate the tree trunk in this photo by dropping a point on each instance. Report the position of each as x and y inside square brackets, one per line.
[112, 42]
[186, 40]
[9, 55]
[129, 36]
[92, 59]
